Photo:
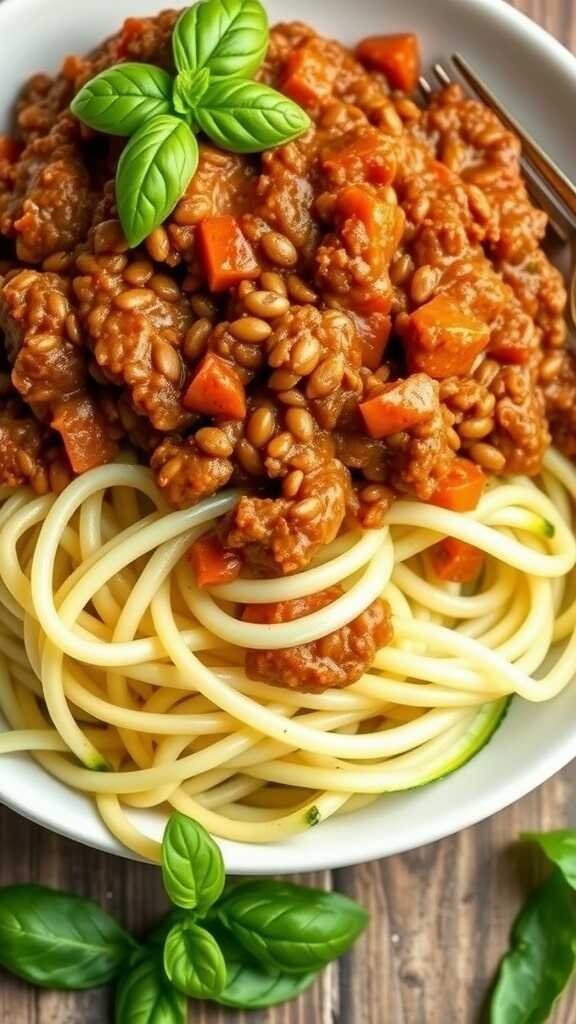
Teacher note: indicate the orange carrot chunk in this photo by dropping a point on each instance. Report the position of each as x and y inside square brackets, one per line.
[369, 158]
[455, 560]
[461, 488]
[442, 341]
[397, 56]
[309, 77]
[374, 331]
[80, 426]
[216, 390]
[402, 405]
[376, 227]
[212, 563]
[384, 222]
[227, 257]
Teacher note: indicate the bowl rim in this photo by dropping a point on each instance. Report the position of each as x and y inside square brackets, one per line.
[374, 843]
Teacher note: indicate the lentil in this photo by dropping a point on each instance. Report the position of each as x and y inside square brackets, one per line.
[214, 442]
[260, 427]
[250, 328]
[266, 304]
[279, 249]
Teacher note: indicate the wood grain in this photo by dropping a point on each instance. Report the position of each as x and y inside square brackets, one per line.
[440, 915]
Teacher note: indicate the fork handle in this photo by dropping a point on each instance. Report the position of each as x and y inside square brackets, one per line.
[546, 167]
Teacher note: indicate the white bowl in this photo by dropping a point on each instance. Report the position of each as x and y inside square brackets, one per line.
[536, 77]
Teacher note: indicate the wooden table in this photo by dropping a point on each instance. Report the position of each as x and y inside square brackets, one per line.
[440, 915]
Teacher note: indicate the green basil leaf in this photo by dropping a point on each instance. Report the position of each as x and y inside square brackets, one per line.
[250, 985]
[57, 940]
[153, 173]
[189, 88]
[541, 959]
[192, 865]
[560, 848]
[193, 961]
[247, 117]
[229, 37]
[123, 98]
[291, 928]
[145, 996]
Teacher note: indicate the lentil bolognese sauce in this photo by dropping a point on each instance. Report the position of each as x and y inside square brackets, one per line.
[298, 439]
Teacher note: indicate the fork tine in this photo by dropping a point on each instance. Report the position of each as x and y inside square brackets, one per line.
[544, 165]
[425, 87]
[441, 74]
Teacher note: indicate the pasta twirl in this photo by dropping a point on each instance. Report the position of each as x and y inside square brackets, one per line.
[132, 686]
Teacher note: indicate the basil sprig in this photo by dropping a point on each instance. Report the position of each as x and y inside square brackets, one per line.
[542, 954]
[247, 945]
[217, 45]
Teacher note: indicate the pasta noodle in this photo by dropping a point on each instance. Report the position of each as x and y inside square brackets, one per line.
[126, 681]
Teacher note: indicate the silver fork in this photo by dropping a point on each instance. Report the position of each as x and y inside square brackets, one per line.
[550, 188]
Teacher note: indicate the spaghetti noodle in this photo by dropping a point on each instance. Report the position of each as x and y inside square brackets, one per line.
[126, 681]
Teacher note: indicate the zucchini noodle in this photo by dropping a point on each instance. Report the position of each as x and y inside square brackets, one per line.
[126, 681]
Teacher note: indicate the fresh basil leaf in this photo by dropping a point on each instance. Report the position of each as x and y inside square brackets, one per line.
[229, 37]
[192, 865]
[250, 985]
[153, 173]
[123, 98]
[193, 961]
[560, 848]
[291, 928]
[541, 959]
[57, 940]
[247, 117]
[145, 996]
[189, 88]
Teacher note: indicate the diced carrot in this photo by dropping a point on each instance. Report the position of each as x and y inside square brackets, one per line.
[402, 405]
[372, 300]
[460, 489]
[212, 563]
[384, 222]
[216, 390]
[374, 331]
[397, 56]
[309, 77]
[371, 158]
[510, 350]
[455, 560]
[81, 428]
[442, 341]
[227, 257]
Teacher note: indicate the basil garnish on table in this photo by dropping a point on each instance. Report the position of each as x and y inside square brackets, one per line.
[542, 955]
[243, 944]
[217, 45]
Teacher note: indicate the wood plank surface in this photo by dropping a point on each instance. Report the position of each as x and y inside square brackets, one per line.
[440, 915]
